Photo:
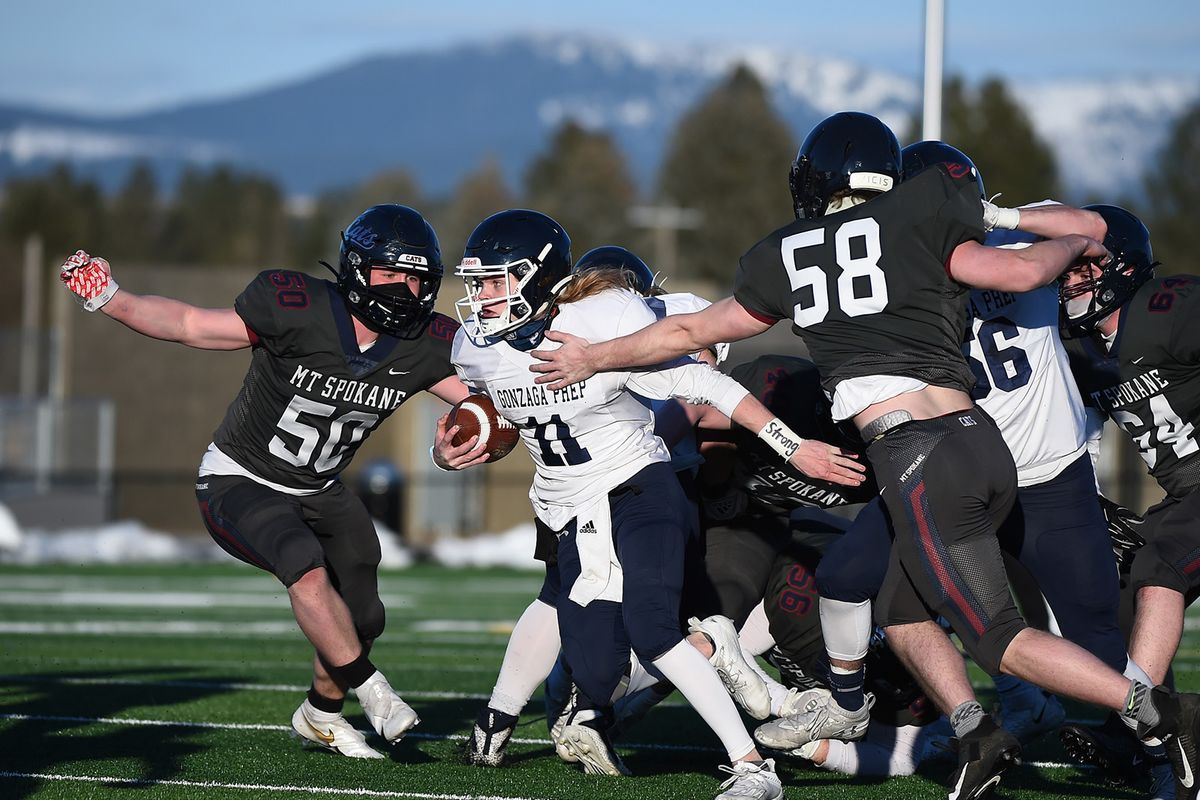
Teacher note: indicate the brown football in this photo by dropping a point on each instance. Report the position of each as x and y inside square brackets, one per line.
[477, 416]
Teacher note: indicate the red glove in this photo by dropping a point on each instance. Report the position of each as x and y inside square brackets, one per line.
[90, 279]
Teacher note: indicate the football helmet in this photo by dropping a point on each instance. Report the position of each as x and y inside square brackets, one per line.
[397, 239]
[1132, 265]
[536, 252]
[918, 157]
[618, 258]
[849, 151]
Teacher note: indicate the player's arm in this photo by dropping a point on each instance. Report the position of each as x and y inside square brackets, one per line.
[975, 265]
[667, 339]
[1052, 220]
[91, 281]
[699, 383]
[445, 454]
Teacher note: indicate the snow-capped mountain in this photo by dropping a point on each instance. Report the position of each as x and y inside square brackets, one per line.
[439, 114]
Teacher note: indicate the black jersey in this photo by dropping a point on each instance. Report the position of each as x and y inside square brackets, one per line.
[1149, 382]
[867, 289]
[791, 388]
[311, 395]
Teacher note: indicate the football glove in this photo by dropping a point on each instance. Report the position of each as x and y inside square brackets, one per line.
[89, 279]
[1122, 530]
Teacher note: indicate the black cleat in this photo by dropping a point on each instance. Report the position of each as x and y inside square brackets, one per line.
[983, 755]
[1179, 730]
[1111, 748]
[489, 738]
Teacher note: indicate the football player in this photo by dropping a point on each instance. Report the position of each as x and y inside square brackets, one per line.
[1137, 360]
[603, 483]
[329, 361]
[534, 645]
[874, 276]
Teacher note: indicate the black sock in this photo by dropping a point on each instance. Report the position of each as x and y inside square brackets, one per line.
[322, 703]
[847, 686]
[357, 671]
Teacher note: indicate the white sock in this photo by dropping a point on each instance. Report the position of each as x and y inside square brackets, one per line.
[696, 679]
[886, 752]
[755, 635]
[530, 655]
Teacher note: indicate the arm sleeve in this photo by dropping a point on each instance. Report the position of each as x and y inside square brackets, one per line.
[761, 285]
[257, 307]
[960, 216]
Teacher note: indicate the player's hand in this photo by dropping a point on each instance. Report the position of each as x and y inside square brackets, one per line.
[828, 463]
[89, 279]
[448, 456]
[567, 365]
[1095, 252]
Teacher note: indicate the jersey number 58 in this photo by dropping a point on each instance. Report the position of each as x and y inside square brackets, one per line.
[861, 284]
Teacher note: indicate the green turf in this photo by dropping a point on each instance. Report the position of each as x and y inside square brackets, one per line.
[132, 646]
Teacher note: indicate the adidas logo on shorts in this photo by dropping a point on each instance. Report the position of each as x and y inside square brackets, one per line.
[586, 528]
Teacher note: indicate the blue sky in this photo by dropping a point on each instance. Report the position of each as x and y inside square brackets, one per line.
[125, 55]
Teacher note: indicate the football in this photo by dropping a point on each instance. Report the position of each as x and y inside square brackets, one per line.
[477, 416]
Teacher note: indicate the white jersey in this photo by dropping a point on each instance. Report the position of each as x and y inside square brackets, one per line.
[588, 438]
[1023, 379]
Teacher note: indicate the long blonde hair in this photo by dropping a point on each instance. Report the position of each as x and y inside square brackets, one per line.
[594, 281]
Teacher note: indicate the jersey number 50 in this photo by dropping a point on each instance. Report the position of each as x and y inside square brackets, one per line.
[861, 285]
[309, 435]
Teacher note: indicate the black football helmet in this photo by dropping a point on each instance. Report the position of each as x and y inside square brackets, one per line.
[1132, 264]
[916, 158]
[398, 239]
[847, 151]
[618, 258]
[532, 248]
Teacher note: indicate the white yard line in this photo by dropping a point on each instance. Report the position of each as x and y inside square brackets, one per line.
[289, 664]
[314, 791]
[681, 748]
[254, 687]
[431, 633]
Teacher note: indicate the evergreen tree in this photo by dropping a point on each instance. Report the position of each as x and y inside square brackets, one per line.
[68, 213]
[1173, 195]
[225, 218]
[729, 160]
[478, 196]
[994, 130]
[582, 181]
[136, 217]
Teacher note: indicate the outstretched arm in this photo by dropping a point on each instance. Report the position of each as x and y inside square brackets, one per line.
[90, 279]
[1051, 220]
[669, 338]
[975, 265]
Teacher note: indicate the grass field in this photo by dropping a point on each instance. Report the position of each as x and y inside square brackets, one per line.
[179, 682]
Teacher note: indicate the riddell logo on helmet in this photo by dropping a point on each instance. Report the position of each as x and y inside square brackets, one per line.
[362, 236]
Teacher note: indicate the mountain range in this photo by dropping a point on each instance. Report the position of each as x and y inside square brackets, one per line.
[440, 113]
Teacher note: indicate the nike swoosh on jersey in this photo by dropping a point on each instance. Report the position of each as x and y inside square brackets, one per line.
[397, 372]
[1137, 360]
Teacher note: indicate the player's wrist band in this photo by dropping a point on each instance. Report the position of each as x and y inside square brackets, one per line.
[434, 460]
[995, 216]
[780, 438]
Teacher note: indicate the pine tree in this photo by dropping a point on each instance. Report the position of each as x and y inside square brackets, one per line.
[583, 182]
[1173, 195]
[728, 159]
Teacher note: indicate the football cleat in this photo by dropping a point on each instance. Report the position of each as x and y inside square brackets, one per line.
[585, 739]
[983, 755]
[820, 717]
[489, 738]
[752, 780]
[741, 681]
[390, 716]
[1029, 722]
[1179, 730]
[330, 731]
[1111, 748]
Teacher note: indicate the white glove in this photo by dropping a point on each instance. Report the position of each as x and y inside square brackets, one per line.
[995, 216]
[90, 279]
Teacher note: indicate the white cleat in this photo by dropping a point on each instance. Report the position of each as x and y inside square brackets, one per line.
[751, 781]
[800, 700]
[556, 730]
[820, 718]
[586, 742]
[390, 716]
[743, 684]
[330, 731]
